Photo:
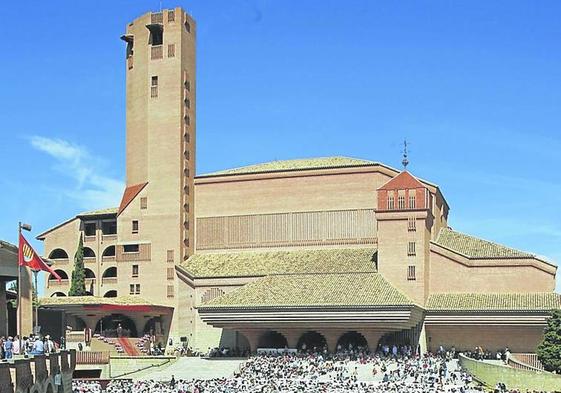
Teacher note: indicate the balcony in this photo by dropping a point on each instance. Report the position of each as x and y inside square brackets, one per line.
[56, 283]
[157, 52]
[108, 280]
[109, 237]
[60, 261]
[89, 238]
[90, 260]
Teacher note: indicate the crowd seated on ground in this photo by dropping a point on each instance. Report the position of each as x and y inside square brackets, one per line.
[394, 369]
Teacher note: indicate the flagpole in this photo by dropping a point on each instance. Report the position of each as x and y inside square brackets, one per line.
[27, 227]
[19, 283]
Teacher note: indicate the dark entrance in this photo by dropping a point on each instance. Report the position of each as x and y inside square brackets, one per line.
[311, 342]
[272, 339]
[351, 340]
[109, 326]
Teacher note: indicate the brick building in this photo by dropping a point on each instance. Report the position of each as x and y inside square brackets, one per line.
[322, 251]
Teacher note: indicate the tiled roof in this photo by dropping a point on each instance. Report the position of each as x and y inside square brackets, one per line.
[493, 301]
[109, 210]
[298, 164]
[93, 300]
[129, 194]
[476, 248]
[8, 246]
[262, 263]
[314, 290]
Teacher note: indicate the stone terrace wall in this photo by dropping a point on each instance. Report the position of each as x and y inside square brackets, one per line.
[513, 378]
[36, 374]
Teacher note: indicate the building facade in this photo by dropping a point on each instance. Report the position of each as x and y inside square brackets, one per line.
[321, 251]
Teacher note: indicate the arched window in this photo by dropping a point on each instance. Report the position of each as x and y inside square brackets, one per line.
[89, 273]
[111, 293]
[110, 272]
[89, 253]
[58, 294]
[58, 253]
[109, 252]
[61, 273]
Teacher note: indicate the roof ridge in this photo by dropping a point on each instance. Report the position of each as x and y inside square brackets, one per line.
[473, 254]
[314, 163]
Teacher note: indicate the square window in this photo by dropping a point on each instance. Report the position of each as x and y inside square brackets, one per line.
[90, 228]
[135, 270]
[131, 248]
[411, 249]
[411, 224]
[411, 273]
[137, 289]
[134, 226]
[131, 289]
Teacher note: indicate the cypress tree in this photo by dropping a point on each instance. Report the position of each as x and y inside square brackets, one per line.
[549, 350]
[78, 284]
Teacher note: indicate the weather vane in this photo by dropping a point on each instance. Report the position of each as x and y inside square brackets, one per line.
[405, 161]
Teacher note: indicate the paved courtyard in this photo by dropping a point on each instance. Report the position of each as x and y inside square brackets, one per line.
[194, 368]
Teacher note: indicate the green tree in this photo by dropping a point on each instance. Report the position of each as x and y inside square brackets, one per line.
[78, 284]
[549, 350]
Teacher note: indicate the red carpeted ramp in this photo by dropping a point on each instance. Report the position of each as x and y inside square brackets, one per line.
[129, 347]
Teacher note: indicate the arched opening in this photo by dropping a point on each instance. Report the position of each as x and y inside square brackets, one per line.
[272, 339]
[312, 341]
[111, 293]
[110, 272]
[154, 326]
[352, 341]
[61, 273]
[116, 325]
[58, 253]
[58, 294]
[109, 252]
[89, 273]
[89, 253]
[49, 388]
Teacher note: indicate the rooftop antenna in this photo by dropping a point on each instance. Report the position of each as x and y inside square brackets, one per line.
[405, 161]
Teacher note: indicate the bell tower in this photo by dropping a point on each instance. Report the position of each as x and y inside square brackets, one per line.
[405, 221]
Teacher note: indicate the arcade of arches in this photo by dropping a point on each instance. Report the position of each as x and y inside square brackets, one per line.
[329, 338]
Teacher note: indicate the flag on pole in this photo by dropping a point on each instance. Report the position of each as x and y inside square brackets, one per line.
[28, 257]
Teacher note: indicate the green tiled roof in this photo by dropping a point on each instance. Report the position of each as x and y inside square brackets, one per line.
[476, 248]
[493, 301]
[262, 263]
[314, 290]
[93, 300]
[109, 210]
[298, 164]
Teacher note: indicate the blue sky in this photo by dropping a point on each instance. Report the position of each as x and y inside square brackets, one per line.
[474, 86]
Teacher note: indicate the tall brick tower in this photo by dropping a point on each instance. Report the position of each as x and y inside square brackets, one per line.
[156, 216]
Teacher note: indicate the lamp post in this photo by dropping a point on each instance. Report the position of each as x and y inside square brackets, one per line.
[25, 227]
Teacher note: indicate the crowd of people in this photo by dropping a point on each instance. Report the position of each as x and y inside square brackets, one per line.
[393, 370]
[27, 345]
